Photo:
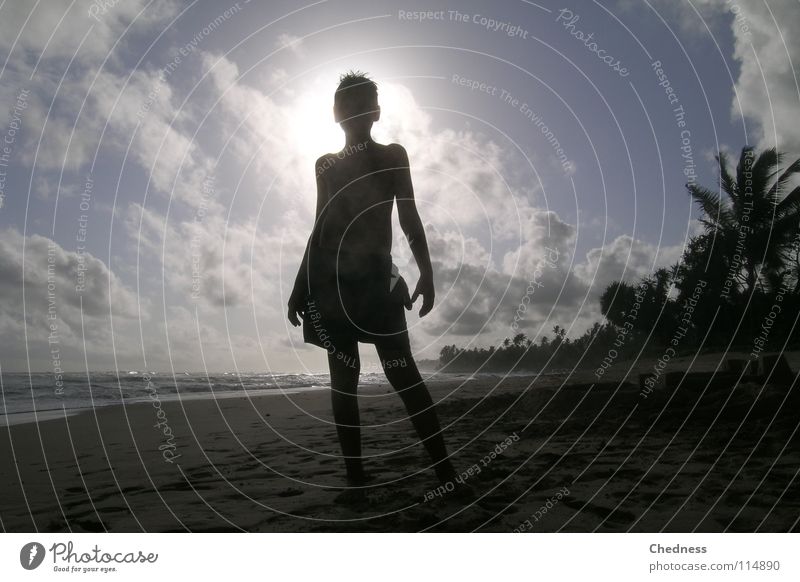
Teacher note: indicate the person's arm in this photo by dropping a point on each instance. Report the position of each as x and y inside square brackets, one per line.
[300, 290]
[412, 227]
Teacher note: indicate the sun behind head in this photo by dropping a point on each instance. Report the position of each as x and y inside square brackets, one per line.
[355, 103]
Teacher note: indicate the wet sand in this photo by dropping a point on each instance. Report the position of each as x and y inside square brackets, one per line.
[541, 454]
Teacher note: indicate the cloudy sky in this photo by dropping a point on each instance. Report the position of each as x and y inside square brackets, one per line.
[156, 164]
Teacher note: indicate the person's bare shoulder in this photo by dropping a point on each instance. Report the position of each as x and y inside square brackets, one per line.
[397, 154]
[325, 159]
[324, 162]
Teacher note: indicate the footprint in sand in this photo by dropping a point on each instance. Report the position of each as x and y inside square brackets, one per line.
[291, 492]
[89, 525]
[611, 518]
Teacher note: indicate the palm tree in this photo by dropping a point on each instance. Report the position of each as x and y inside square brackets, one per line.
[756, 220]
[616, 300]
[559, 332]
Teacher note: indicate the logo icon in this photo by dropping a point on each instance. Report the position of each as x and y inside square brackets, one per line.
[31, 555]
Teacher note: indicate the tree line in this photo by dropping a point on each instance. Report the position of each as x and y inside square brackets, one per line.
[735, 288]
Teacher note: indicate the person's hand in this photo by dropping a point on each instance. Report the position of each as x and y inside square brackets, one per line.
[296, 307]
[424, 288]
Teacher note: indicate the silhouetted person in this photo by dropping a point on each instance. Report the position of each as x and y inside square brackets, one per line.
[346, 291]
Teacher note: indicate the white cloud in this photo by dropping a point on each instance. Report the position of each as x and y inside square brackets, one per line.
[65, 118]
[624, 259]
[487, 239]
[768, 50]
[75, 292]
[59, 317]
[55, 29]
[768, 47]
[290, 41]
[162, 142]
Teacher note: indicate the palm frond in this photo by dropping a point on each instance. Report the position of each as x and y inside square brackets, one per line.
[786, 228]
[764, 169]
[746, 162]
[711, 205]
[726, 181]
[710, 226]
[790, 205]
[781, 236]
[777, 187]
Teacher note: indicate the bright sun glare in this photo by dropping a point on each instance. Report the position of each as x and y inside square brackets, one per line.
[314, 130]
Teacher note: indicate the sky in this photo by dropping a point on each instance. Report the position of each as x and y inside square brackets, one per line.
[157, 161]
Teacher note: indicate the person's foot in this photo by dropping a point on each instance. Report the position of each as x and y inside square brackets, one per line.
[360, 479]
[445, 472]
[455, 490]
[355, 493]
[462, 492]
[351, 497]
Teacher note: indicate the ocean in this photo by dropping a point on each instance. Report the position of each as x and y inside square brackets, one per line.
[24, 394]
[28, 397]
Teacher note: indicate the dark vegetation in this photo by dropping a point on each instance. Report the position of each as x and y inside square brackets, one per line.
[736, 287]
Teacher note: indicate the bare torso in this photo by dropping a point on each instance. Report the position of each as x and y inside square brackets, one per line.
[360, 184]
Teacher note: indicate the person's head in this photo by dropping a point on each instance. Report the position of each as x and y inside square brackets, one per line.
[355, 103]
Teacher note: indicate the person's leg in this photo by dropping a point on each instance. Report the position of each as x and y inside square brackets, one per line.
[345, 366]
[402, 373]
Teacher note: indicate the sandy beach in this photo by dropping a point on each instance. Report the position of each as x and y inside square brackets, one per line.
[541, 454]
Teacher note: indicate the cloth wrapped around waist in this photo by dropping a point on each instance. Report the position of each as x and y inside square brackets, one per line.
[354, 293]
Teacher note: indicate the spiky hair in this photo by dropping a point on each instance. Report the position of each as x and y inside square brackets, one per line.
[356, 89]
